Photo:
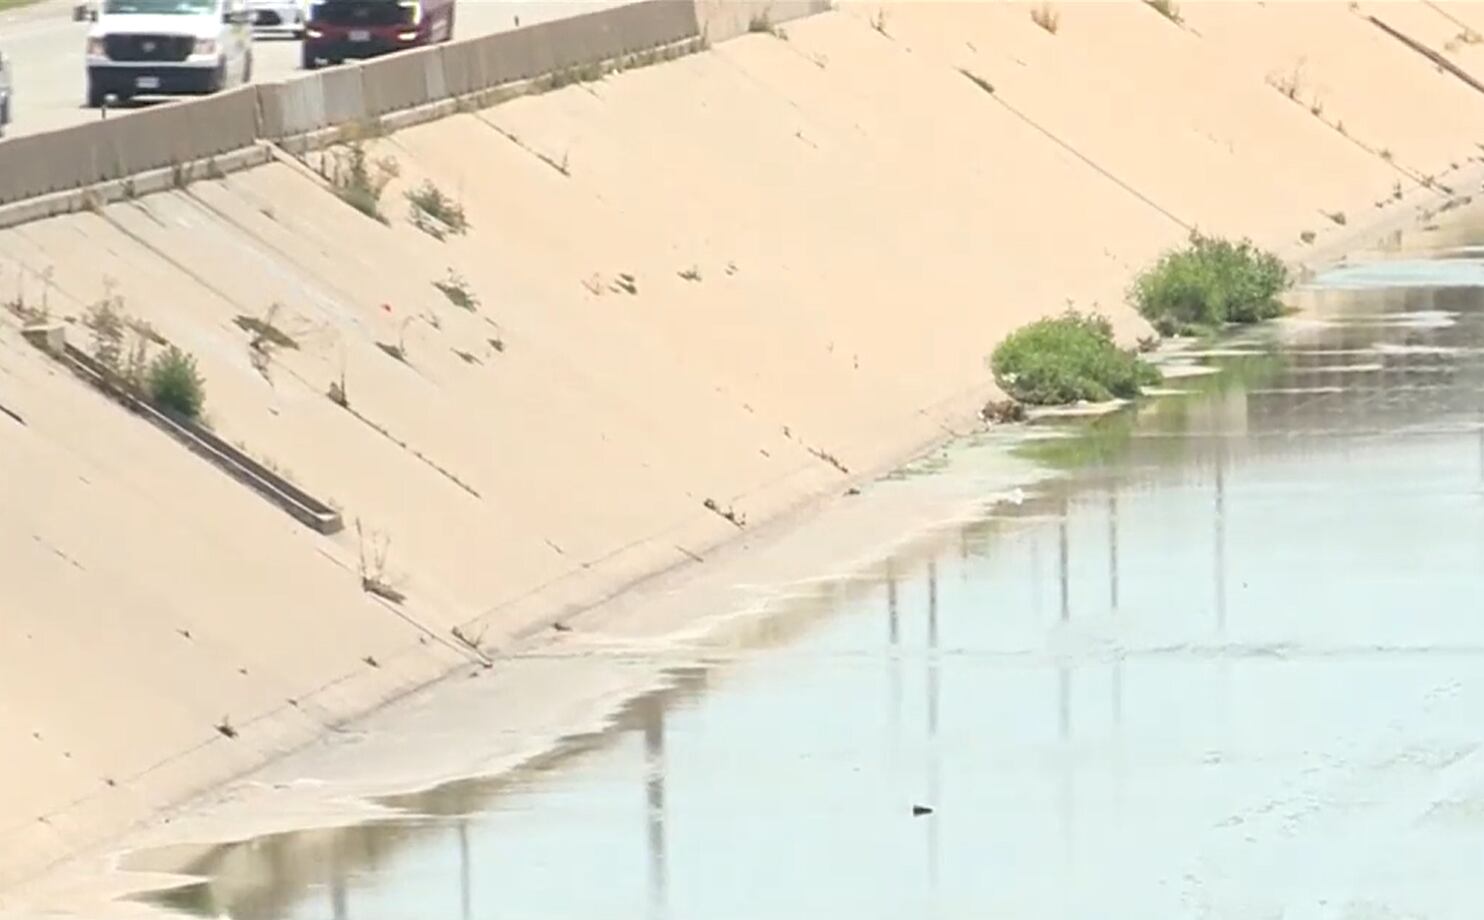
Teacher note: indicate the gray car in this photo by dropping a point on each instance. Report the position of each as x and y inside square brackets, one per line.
[5, 93]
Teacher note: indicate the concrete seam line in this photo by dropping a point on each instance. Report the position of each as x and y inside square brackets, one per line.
[1430, 54]
[1086, 159]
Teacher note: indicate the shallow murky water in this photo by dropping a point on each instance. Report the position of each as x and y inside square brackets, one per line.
[1232, 666]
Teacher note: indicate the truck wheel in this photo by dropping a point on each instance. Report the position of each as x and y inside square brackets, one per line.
[96, 95]
[307, 59]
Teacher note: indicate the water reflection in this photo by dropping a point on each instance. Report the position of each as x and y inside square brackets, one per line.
[1262, 634]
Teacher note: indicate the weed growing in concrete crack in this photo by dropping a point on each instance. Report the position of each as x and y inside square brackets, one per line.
[266, 338]
[878, 21]
[1337, 216]
[472, 642]
[1292, 83]
[737, 520]
[1169, 9]
[121, 344]
[225, 729]
[977, 80]
[435, 213]
[357, 180]
[1308, 236]
[26, 313]
[105, 320]
[373, 566]
[337, 391]
[691, 274]
[399, 350]
[583, 73]
[763, 24]
[1047, 17]
[458, 292]
[146, 330]
[1386, 154]
[829, 458]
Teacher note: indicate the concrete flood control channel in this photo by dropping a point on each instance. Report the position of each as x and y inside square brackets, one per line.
[1228, 666]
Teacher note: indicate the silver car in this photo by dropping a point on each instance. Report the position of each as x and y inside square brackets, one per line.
[5, 93]
[279, 18]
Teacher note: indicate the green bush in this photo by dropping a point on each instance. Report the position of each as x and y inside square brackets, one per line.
[1066, 359]
[1209, 283]
[174, 385]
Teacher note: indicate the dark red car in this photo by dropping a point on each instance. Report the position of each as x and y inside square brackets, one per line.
[341, 30]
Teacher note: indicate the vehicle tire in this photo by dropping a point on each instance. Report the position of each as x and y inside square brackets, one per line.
[307, 60]
[96, 95]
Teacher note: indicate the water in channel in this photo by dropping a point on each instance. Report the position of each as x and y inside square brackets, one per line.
[1231, 665]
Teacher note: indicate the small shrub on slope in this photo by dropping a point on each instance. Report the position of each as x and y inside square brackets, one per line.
[174, 385]
[1067, 359]
[1209, 283]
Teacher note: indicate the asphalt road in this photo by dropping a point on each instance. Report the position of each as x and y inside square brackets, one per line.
[45, 48]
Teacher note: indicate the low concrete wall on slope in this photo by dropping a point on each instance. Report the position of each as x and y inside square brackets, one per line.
[182, 132]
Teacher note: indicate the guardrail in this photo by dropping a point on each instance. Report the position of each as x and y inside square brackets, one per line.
[179, 133]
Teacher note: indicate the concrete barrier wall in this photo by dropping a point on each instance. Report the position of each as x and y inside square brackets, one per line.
[722, 20]
[311, 102]
[127, 144]
[403, 81]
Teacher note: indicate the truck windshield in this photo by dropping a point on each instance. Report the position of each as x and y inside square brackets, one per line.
[365, 12]
[160, 7]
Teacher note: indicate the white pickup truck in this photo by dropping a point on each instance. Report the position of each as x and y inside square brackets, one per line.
[167, 48]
